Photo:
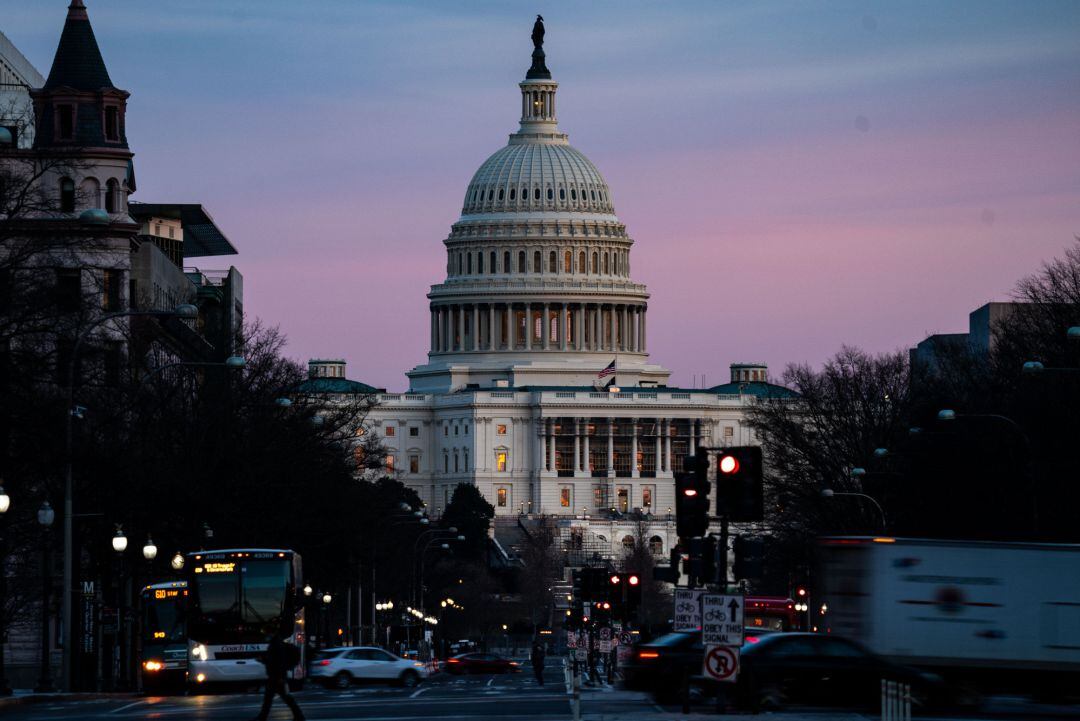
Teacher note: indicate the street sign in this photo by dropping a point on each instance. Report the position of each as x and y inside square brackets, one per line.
[626, 638]
[605, 640]
[722, 620]
[579, 654]
[571, 640]
[721, 663]
[687, 609]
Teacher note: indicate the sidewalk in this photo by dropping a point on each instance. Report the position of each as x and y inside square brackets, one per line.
[23, 696]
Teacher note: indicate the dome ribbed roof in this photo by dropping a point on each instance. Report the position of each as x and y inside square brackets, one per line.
[565, 178]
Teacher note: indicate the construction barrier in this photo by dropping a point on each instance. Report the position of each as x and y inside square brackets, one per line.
[895, 701]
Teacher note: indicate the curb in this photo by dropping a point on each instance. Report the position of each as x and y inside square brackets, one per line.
[33, 698]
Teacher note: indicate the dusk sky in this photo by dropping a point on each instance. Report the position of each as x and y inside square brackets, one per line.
[796, 175]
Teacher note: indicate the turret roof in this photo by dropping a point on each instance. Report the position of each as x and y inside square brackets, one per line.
[78, 63]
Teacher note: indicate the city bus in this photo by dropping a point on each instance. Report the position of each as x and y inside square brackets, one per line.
[770, 612]
[163, 658]
[239, 599]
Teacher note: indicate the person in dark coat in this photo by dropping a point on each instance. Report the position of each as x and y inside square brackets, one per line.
[537, 658]
[278, 659]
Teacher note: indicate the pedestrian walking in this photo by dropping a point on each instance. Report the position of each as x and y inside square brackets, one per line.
[537, 658]
[278, 659]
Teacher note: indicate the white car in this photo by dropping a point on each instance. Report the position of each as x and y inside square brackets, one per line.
[341, 667]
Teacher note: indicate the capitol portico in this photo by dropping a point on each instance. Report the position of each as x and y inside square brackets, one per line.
[537, 302]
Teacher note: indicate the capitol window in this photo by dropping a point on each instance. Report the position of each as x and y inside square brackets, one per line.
[566, 499]
[414, 431]
[536, 193]
[491, 194]
[581, 262]
[506, 262]
[479, 262]
[521, 261]
[512, 193]
[500, 429]
[536, 261]
[390, 463]
[605, 263]
[551, 194]
[594, 262]
[491, 265]
[552, 262]
[500, 193]
[500, 461]
[562, 193]
[468, 258]
[500, 495]
[414, 464]
[568, 261]
[390, 431]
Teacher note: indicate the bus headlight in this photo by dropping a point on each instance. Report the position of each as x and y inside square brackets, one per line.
[198, 652]
[200, 677]
[153, 665]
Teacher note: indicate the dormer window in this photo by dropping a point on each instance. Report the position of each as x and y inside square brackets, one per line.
[112, 123]
[512, 193]
[65, 122]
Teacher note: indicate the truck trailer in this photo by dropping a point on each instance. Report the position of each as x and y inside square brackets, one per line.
[984, 615]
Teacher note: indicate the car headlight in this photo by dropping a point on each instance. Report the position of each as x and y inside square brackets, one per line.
[198, 652]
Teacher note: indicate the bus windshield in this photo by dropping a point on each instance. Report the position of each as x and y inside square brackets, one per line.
[164, 616]
[242, 595]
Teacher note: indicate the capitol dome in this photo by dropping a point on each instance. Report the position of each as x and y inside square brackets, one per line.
[538, 288]
[537, 176]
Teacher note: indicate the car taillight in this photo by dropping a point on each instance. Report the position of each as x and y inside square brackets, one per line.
[648, 654]
[453, 660]
[324, 662]
[752, 639]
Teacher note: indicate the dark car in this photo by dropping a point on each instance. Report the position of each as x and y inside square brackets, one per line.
[480, 663]
[812, 668]
[660, 665]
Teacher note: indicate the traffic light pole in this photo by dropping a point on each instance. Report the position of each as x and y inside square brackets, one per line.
[723, 553]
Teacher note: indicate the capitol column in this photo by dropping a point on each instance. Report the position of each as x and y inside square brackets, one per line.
[461, 328]
[693, 438]
[545, 327]
[644, 330]
[634, 473]
[553, 465]
[564, 325]
[611, 447]
[541, 447]
[491, 327]
[586, 461]
[432, 329]
[667, 445]
[658, 462]
[614, 331]
[528, 326]
[577, 445]
[579, 329]
[476, 326]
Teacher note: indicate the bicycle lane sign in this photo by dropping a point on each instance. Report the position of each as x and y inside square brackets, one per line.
[687, 609]
[722, 620]
[721, 663]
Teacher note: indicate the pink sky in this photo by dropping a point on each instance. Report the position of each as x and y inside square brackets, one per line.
[796, 176]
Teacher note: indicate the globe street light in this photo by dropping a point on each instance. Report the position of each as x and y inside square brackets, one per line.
[327, 598]
[5, 500]
[308, 590]
[119, 541]
[149, 551]
[177, 561]
[5, 504]
[45, 517]
[830, 493]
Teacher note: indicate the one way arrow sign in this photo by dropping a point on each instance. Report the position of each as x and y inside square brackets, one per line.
[721, 620]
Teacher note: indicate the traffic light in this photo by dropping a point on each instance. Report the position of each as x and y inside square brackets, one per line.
[739, 484]
[692, 489]
[749, 557]
[632, 598]
[702, 563]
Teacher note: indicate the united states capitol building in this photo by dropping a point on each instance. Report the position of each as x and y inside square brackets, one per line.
[537, 302]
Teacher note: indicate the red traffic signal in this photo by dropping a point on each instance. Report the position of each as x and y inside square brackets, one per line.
[615, 580]
[633, 580]
[801, 592]
[728, 464]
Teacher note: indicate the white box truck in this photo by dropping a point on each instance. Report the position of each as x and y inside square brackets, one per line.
[1006, 614]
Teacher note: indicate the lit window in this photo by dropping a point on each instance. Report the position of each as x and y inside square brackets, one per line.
[729, 431]
[568, 261]
[594, 265]
[390, 463]
[414, 431]
[581, 262]
[390, 432]
[565, 498]
[628, 541]
[500, 429]
[646, 497]
[500, 461]
[414, 464]
[500, 494]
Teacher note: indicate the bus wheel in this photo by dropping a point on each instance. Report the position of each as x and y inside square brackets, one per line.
[342, 680]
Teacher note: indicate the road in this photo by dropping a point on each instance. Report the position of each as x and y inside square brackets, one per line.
[459, 698]
[512, 696]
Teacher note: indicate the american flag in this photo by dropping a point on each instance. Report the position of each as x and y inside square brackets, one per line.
[609, 371]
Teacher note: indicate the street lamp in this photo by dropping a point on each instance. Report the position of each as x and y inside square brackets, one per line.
[177, 561]
[308, 590]
[149, 551]
[45, 517]
[185, 311]
[5, 500]
[5, 504]
[829, 493]
[327, 598]
[119, 541]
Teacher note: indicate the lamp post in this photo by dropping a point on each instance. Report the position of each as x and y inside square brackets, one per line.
[119, 543]
[45, 517]
[443, 547]
[435, 533]
[829, 493]
[5, 504]
[186, 311]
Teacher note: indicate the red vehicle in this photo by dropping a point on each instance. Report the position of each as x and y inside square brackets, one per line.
[770, 613]
[481, 663]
